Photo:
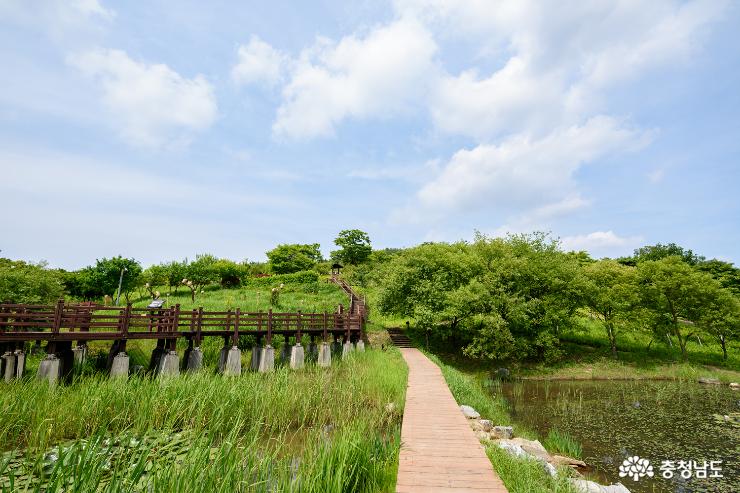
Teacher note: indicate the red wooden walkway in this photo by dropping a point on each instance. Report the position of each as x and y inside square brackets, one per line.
[439, 451]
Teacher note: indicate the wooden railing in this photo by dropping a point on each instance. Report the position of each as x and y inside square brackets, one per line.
[83, 322]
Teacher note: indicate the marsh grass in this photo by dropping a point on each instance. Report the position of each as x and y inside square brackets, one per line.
[561, 442]
[310, 430]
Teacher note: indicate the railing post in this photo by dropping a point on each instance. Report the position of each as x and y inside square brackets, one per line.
[58, 311]
[236, 326]
[269, 327]
[347, 325]
[176, 319]
[200, 327]
[298, 329]
[326, 324]
[126, 320]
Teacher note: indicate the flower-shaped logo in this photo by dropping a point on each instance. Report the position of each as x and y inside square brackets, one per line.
[635, 468]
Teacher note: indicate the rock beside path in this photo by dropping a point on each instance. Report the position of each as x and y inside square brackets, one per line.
[469, 412]
[505, 432]
[585, 486]
[709, 381]
[561, 460]
[735, 386]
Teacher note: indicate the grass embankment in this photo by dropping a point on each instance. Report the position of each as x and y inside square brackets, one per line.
[519, 475]
[322, 430]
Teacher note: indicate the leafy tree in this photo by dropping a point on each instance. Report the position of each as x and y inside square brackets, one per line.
[355, 247]
[289, 258]
[675, 295]
[102, 278]
[230, 273]
[200, 273]
[22, 282]
[727, 274]
[610, 293]
[660, 251]
[721, 318]
[176, 272]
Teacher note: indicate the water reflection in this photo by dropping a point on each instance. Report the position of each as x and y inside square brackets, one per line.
[654, 420]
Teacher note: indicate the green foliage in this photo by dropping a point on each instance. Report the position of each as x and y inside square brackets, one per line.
[610, 293]
[22, 282]
[355, 247]
[495, 298]
[675, 295]
[287, 258]
[660, 251]
[302, 277]
[562, 443]
[230, 274]
[727, 274]
[99, 280]
[721, 318]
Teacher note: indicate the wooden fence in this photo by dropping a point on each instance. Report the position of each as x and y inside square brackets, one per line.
[84, 322]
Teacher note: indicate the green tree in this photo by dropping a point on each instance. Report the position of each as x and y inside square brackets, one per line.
[289, 258]
[676, 296]
[610, 293]
[660, 251]
[355, 247]
[200, 273]
[727, 274]
[230, 273]
[176, 272]
[721, 318]
[22, 282]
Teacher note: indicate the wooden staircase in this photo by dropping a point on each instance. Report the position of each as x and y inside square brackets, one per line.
[399, 339]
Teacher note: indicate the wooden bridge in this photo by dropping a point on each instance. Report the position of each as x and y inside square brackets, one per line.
[63, 324]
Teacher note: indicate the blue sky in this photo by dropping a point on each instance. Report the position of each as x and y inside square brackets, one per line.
[159, 130]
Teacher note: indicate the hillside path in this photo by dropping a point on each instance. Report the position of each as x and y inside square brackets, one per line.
[439, 451]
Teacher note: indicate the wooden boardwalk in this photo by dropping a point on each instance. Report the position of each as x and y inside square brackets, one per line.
[439, 451]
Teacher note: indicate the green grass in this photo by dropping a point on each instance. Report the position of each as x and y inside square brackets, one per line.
[322, 429]
[560, 442]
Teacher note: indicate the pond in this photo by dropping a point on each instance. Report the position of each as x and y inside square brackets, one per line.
[656, 420]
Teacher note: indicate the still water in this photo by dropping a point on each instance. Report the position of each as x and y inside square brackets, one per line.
[659, 421]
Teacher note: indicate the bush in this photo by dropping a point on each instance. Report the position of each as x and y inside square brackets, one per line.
[302, 277]
[22, 282]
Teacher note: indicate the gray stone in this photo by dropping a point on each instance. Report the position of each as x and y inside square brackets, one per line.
[20, 363]
[254, 364]
[346, 349]
[735, 386]
[267, 359]
[222, 356]
[170, 365]
[486, 425]
[119, 368]
[513, 449]
[550, 469]
[505, 432]
[709, 381]
[532, 447]
[80, 354]
[195, 360]
[482, 435]
[9, 371]
[233, 364]
[561, 460]
[360, 346]
[585, 486]
[296, 357]
[49, 369]
[324, 354]
[469, 412]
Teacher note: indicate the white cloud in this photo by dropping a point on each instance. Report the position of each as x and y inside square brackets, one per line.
[378, 75]
[152, 104]
[656, 176]
[521, 174]
[601, 242]
[259, 63]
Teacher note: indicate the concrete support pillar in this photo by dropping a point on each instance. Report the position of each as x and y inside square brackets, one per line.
[195, 360]
[346, 349]
[360, 346]
[296, 357]
[50, 369]
[254, 365]
[119, 368]
[233, 365]
[80, 354]
[20, 363]
[170, 365]
[267, 359]
[324, 354]
[8, 366]
[222, 357]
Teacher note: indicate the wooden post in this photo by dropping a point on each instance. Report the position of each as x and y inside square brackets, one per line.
[126, 320]
[58, 311]
[199, 327]
[236, 326]
[269, 327]
[326, 324]
[176, 319]
[298, 328]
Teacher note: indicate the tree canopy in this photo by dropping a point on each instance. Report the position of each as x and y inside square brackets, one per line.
[355, 247]
[289, 258]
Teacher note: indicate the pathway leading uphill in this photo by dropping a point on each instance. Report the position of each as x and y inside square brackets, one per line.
[439, 451]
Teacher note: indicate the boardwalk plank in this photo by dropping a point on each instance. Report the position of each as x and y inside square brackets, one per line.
[439, 451]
